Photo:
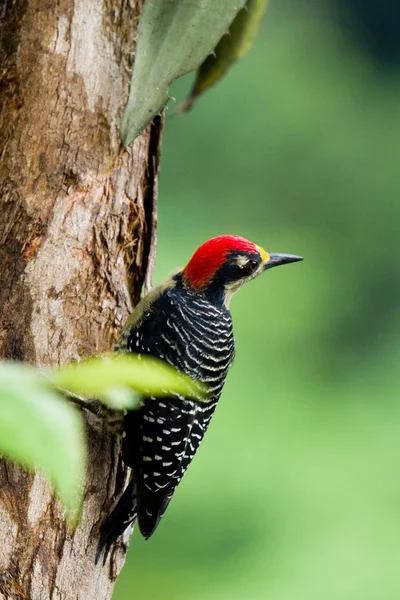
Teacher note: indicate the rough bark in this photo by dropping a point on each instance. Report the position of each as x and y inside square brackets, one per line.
[77, 235]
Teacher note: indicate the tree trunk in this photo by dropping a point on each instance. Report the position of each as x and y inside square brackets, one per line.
[77, 241]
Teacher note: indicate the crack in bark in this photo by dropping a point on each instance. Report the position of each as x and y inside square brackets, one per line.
[151, 210]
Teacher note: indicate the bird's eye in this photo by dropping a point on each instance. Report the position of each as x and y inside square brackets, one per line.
[251, 266]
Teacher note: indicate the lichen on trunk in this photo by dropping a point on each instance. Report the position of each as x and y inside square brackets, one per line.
[77, 242]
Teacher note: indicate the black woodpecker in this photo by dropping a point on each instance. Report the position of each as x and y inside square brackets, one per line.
[186, 321]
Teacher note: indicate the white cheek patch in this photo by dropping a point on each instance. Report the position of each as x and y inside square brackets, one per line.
[242, 260]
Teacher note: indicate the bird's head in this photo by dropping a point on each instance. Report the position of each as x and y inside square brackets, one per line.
[222, 265]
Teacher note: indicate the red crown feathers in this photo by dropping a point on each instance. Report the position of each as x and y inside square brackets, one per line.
[211, 255]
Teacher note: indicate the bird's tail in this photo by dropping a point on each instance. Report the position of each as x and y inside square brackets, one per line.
[123, 515]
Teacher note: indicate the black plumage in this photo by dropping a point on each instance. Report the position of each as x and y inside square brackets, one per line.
[192, 332]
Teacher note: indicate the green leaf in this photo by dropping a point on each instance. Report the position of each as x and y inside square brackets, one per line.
[120, 398]
[96, 377]
[174, 37]
[231, 48]
[40, 430]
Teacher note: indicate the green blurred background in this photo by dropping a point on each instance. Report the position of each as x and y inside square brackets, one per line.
[295, 493]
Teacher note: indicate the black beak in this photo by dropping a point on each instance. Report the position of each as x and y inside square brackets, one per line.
[280, 259]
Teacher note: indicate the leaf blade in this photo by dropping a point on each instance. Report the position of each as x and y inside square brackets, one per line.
[40, 430]
[230, 48]
[174, 37]
[96, 376]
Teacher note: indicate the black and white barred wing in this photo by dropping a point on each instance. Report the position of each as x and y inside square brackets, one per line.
[164, 435]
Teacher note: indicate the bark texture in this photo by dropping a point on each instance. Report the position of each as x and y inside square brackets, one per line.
[77, 241]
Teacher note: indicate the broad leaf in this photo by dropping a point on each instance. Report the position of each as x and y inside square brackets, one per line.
[174, 37]
[38, 429]
[96, 377]
[231, 48]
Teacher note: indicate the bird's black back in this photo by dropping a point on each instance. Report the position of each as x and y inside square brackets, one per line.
[193, 334]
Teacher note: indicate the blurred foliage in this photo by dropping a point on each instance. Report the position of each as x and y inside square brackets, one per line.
[375, 24]
[295, 492]
[41, 429]
[97, 376]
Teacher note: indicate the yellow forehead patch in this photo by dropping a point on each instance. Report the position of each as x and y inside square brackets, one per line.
[264, 255]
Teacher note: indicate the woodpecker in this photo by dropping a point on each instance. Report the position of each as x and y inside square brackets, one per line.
[186, 322]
